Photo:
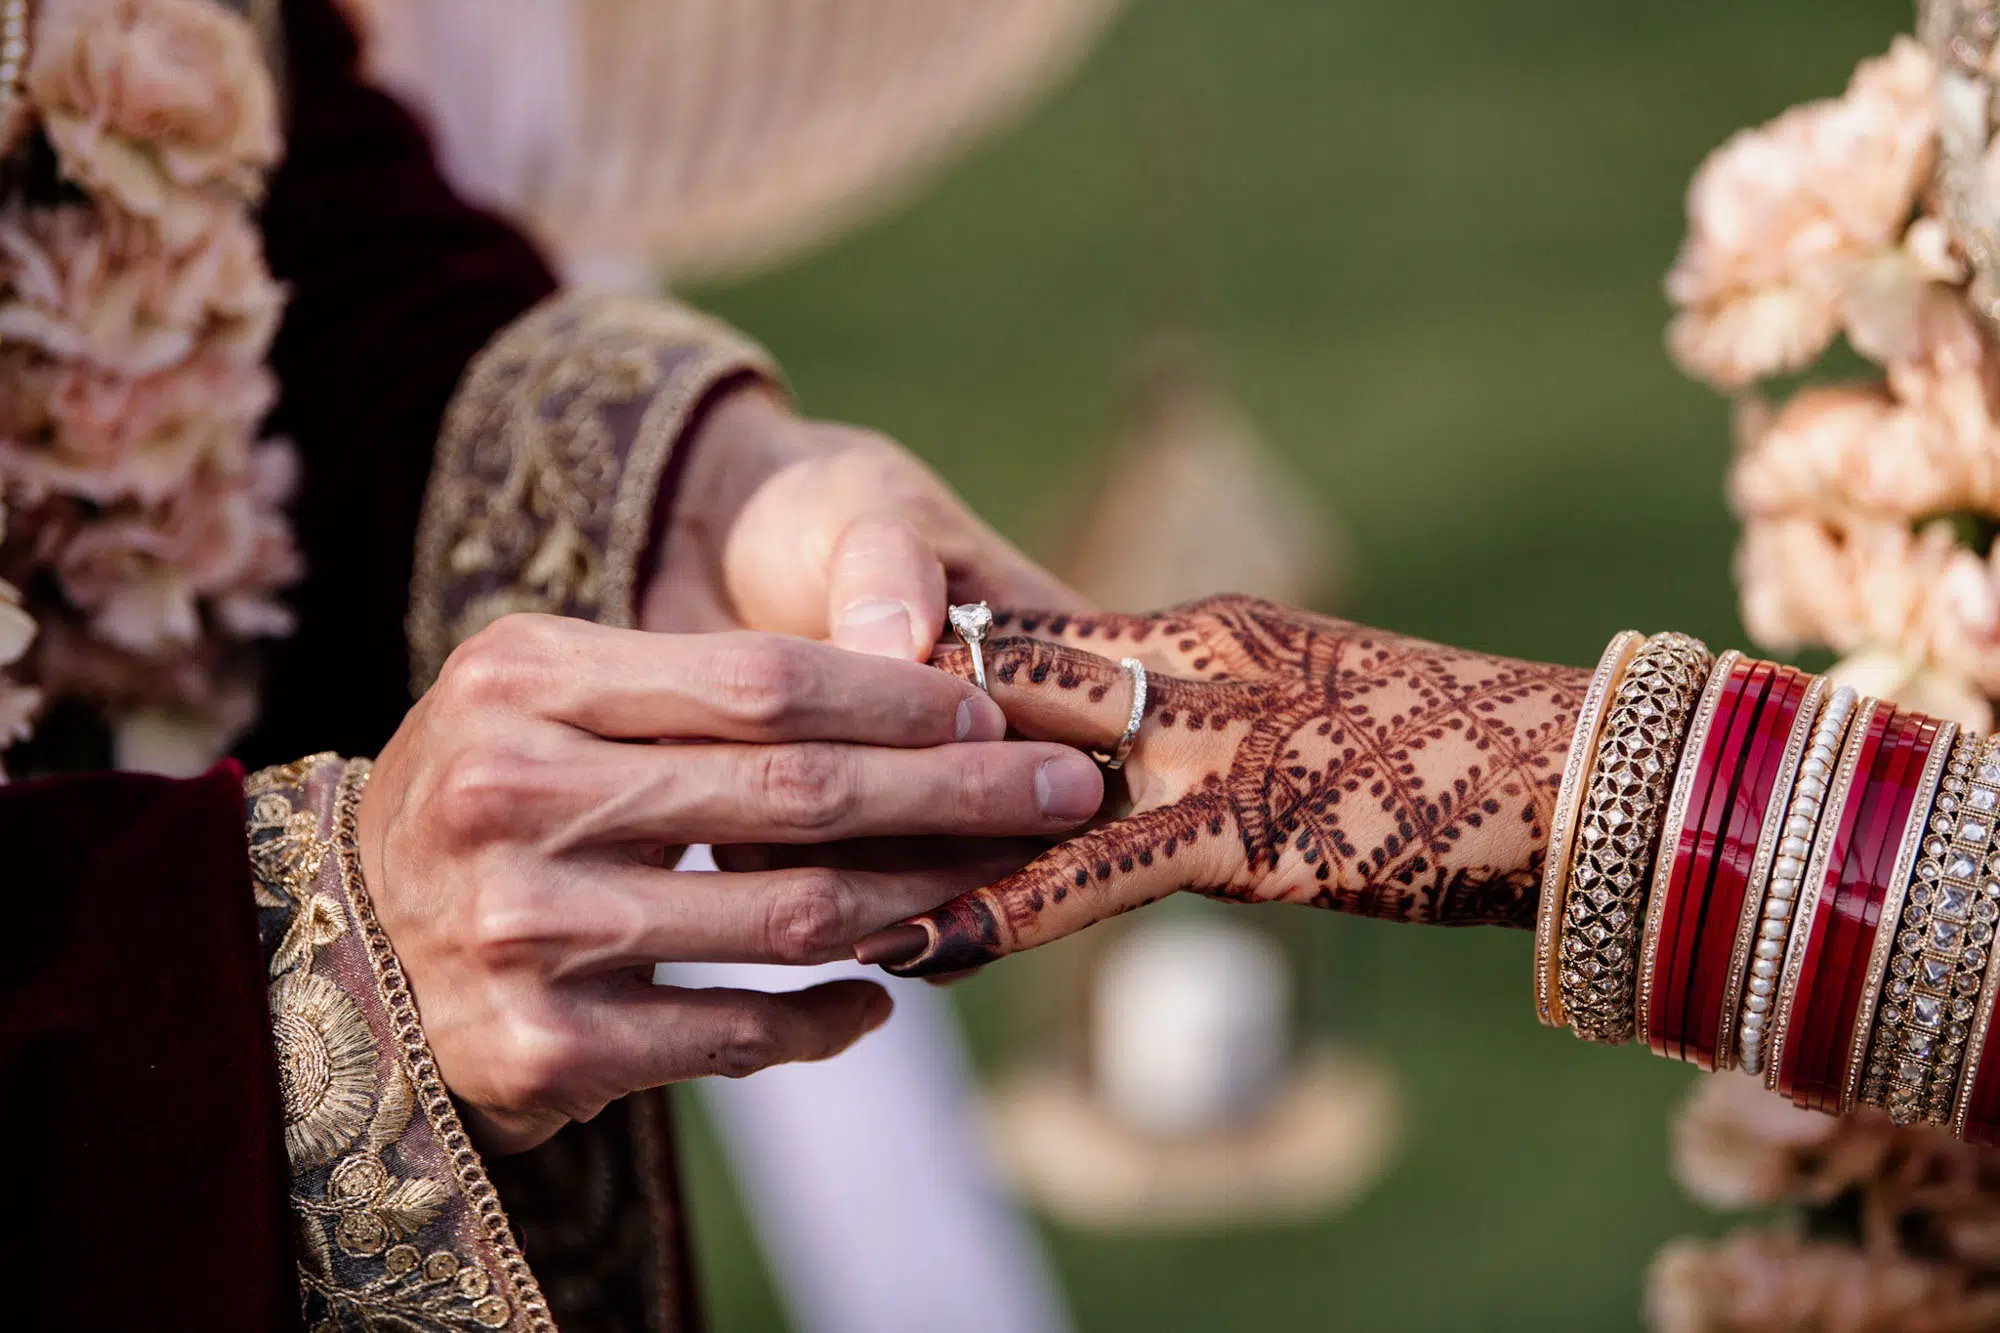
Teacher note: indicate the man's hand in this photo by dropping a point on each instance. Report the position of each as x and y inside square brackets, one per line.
[826, 531]
[516, 833]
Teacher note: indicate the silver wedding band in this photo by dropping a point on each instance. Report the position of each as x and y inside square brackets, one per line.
[1123, 751]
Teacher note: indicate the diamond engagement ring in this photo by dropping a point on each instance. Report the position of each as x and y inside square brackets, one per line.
[1123, 751]
[973, 621]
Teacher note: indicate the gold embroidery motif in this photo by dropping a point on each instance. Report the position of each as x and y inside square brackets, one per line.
[398, 1225]
[326, 1066]
[551, 457]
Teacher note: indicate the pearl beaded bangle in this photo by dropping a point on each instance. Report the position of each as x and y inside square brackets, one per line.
[1787, 872]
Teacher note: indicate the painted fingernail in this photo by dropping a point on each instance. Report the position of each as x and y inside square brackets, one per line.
[979, 719]
[887, 948]
[1069, 788]
[879, 628]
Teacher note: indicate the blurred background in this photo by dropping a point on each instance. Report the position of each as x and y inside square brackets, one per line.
[1423, 244]
[1416, 251]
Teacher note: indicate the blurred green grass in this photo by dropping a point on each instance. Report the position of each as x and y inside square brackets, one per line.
[1424, 243]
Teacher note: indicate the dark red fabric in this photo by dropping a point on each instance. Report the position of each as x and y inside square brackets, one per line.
[138, 1091]
[396, 284]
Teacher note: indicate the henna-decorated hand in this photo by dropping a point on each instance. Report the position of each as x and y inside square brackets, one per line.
[1284, 757]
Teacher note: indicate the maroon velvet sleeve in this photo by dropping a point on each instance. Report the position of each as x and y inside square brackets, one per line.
[140, 1106]
[395, 284]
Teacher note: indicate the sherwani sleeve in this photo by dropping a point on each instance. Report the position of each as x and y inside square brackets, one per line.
[540, 488]
[474, 441]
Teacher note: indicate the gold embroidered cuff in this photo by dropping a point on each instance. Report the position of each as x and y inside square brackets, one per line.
[397, 1223]
[550, 462]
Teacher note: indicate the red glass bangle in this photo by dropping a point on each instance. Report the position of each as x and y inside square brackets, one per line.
[1798, 1070]
[1732, 738]
[1858, 907]
[1716, 932]
[1823, 1064]
[1717, 747]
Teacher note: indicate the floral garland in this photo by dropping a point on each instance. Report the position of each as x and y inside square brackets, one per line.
[1869, 514]
[142, 534]
[1868, 508]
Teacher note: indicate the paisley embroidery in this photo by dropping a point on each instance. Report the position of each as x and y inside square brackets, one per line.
[551, 458]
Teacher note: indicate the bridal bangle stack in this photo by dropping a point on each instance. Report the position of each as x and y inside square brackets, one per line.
[1751, 869]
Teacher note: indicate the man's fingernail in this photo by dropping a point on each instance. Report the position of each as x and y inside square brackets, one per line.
[887, 948]
[880, 628]
[1069, 788]
[880, 1006]
[979, 719]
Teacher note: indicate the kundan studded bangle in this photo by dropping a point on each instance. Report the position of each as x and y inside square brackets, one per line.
[1977, 796]
[1878, 1020]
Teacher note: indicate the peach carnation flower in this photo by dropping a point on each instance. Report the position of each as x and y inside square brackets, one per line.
[148, 101]
[1780, 217]
[1737, 1146]
[83, 284]
[1760, 1283]
[1855, 583]
[76, 430]
[1840, 449]
[142, 574]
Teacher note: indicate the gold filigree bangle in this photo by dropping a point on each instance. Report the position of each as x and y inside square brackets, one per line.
[1671, 823]
[1763, 861]
[1618, 834]
[1867, 1032]
[1813, 882]
[1611, 667]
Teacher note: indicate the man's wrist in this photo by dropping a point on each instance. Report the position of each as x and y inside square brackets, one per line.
[736, 442]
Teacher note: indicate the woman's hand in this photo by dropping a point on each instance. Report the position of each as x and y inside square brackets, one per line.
[1284, 757]
[517, 833]
[826, 531]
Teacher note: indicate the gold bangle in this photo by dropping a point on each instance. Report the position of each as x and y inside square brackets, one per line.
[1611, 667]
[1616, 837]
[1889, 924]
[1811, 886]
[1671, 824]
[1762, 861]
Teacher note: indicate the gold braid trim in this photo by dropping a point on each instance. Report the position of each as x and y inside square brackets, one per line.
[398, 1225]
[542, 495]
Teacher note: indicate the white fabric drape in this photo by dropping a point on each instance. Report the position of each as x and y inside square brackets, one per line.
[866, 1176]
